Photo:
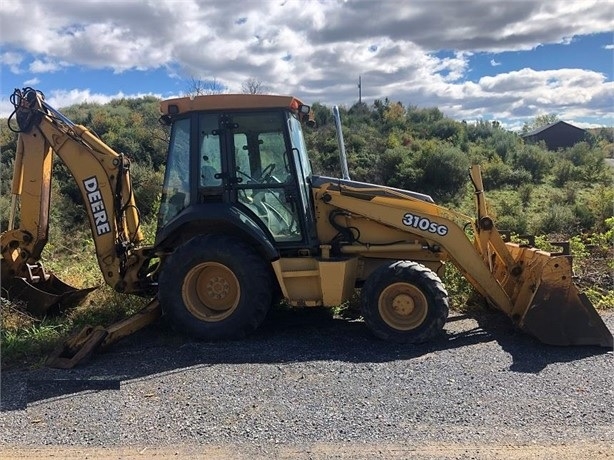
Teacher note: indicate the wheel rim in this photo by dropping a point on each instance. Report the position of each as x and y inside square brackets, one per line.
[211, 291]
[403, 306]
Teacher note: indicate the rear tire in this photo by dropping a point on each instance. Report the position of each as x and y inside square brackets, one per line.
[404, 302]
[215, 287]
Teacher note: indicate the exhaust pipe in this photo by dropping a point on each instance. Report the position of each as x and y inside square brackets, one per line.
[343, 160]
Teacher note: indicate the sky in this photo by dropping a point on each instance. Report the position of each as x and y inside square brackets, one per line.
[508, 61]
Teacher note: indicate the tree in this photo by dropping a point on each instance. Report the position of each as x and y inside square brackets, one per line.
[254, 86]
[445, 129]
[198, 87]
[394, 114]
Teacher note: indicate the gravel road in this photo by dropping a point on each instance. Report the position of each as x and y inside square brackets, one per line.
[311, 386]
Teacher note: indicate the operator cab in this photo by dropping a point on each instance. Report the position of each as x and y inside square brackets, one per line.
[244, 152]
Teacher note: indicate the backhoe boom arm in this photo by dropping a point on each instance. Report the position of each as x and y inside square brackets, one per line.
[103, 178]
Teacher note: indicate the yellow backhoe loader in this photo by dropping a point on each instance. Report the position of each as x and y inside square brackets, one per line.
[244, 221]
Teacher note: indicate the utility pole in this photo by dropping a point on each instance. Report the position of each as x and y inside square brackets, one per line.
[359, 90]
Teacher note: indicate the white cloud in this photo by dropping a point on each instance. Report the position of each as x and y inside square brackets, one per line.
[12, 61]
[44, 66]
[134, 34]
[509, 95]
[317, 49]
[6, 108]
[585, 125]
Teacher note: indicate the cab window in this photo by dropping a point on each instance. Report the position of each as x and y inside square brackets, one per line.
[176, 187]
[210, 155]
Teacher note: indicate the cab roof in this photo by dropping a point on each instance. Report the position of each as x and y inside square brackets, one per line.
[228, 102]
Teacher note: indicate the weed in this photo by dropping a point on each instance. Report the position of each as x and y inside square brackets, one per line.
[462, 295]
[601, 300]
[350, 309]
[24, 339]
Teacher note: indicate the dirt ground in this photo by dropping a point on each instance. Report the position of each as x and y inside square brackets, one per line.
[324, 451]
[310, 386]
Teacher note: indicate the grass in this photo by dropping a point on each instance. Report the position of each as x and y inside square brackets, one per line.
[26, 340]
[28, 345]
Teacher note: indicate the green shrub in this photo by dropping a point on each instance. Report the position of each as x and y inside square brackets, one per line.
[565, 171]
[519, 177]
[517, 223]
[388, 164]
[504, 143]
[147, 185]
[445, 129]
[533, 159]
[443, 172]
[5, 206]
[589, 163]
[510, 214]
[496, 175]
[556, 218]
[578, 154]
[525, 191]
[585, 217]
[601, 203]
[459, 289]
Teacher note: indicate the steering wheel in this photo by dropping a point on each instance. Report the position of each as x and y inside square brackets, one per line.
[265, 175]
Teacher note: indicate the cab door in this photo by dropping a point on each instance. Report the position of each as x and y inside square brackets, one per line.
[265, 181]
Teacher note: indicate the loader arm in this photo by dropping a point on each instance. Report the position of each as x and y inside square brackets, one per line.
[534, 288]
[442, 230]
[103, 178]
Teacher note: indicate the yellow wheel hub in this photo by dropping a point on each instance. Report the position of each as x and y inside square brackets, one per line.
[211, 291]
[403, 306]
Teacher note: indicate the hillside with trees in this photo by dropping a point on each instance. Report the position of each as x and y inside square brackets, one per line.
[564, 194]
[532, 189]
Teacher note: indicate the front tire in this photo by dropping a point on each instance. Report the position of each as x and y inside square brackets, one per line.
[404, 302]
[215, 287]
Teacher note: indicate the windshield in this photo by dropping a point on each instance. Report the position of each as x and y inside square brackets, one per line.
[176, 188]
[298, 142]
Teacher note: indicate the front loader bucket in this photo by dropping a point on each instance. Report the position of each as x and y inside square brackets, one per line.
[45, 295]
[548, 305]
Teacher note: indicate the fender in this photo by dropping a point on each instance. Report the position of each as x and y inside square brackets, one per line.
[216, 218]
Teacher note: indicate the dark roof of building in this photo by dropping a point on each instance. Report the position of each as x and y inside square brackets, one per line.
[544, 128]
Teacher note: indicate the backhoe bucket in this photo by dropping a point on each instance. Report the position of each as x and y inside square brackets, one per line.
[549, 306]
[44, 296]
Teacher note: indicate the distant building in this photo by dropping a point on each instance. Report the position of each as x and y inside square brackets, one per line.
[558, 135]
